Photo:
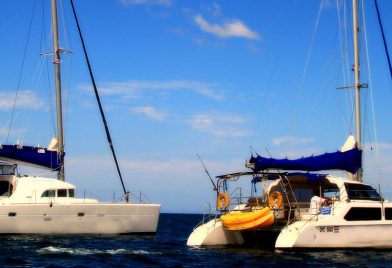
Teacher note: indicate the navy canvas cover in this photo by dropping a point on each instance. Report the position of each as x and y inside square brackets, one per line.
[32, 156]
[350, 161]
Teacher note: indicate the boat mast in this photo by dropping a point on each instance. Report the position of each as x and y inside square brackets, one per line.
[357, 84]
[56, 61]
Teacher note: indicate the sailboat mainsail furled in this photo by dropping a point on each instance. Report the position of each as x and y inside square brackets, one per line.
[31, 204]
[350, 161]
[47, 158]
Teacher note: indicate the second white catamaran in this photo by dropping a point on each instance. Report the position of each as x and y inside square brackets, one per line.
[300, 208]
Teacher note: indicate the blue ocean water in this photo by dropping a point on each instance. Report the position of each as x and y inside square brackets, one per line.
[167, 249]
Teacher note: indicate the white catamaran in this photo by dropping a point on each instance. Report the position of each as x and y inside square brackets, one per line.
[37, 205]
[303, 209]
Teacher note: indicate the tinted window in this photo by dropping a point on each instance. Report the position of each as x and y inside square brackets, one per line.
[7, 170]
[71, 192]
[388, 213]
[4, 188]
[361, 192]
[62, 193]
[48, 193]
[303, 195]
[363, 214]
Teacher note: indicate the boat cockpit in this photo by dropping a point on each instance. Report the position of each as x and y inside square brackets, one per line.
[290, 195]
[7, 172]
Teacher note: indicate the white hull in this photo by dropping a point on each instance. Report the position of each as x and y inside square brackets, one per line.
[96, 218]
[212, 233]
[333, 231]
[35, 205]
[349, 236]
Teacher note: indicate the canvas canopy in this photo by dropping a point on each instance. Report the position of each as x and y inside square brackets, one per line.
[350, 160]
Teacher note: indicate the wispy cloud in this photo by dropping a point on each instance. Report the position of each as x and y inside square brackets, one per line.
[291, 139]
[25, 99]
[3, 131]
[233, 28]
[147, 2]
[380, 146]
[328, 4]
[150, 112]
[220, 125]
[213, 9]
[132, 89]
[154, 164]
[13, 132]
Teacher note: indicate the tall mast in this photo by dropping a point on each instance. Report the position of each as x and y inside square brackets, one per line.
[59, 111]
[357, 84]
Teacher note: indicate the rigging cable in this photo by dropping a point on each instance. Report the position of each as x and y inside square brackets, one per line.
[342, 21]
[21, 72]
[383, 38]
[371, 95]
[301, 87]
[68, 45]
[99, 101]
[258, 122]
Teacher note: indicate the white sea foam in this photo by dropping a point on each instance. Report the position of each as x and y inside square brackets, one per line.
[85, 251]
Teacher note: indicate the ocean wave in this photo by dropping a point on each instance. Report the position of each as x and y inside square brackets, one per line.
[86, 251]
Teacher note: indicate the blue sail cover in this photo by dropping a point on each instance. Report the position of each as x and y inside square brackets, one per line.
[32, 156]
[350, 161]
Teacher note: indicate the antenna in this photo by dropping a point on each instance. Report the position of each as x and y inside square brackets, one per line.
[205, 169]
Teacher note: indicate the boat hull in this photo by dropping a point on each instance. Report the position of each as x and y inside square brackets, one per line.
[95, 218]
[213, 233]
[361, 235]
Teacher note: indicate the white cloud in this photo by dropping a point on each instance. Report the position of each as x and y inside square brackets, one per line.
[154, 175]
[213, 9]
[13, 132]
[291, 139]
[328, 4]
[150, 112]
[3, 131]
[220, 125]
[233, 28]
[147, 2]
[380, 146]
[25, 99]
[150, 165]
[132, 89]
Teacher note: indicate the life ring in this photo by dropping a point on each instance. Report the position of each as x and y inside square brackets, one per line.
[275, 195]
[222, 200]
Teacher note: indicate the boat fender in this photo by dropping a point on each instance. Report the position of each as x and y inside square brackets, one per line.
[275, 196]
[222, 200]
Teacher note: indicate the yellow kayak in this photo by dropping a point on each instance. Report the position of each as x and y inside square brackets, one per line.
[251, 220]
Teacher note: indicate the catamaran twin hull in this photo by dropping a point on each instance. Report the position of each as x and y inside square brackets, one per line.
[96, 218]
[366, 228]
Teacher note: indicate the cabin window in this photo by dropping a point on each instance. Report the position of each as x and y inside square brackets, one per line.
[71, 192]
[332, 191]
[7, 170]
[62, 193]
[361, 192]
[363, 214]
[5, 188]
[303, 194]
[388, 213]
[48, 193]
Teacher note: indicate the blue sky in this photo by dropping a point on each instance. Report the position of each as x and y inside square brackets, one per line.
[179, 78]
